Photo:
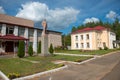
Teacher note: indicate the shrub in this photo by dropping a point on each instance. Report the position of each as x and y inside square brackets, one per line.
[100, 48]
[30, 50]
[21, 49]
[60, 65]
[78, 60]
[105, 48]
[51, 50]
[13, 75]
[39, 48]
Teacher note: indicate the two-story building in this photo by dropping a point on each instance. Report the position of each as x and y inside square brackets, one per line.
[93, 38]
[14, 29]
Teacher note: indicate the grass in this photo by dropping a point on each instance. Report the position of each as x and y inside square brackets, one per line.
[95, 52]
[16, 65]
[58, 57]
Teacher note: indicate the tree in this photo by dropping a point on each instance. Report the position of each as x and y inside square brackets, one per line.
[51, 50]
[39, 47]
[30, 50]
[21, 49]
[74, 28]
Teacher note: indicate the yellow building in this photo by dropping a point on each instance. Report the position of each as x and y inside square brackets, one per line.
[92, 38]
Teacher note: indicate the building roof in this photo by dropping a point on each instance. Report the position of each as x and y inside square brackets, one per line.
[12, 37]
[98, 28]
[15, 21]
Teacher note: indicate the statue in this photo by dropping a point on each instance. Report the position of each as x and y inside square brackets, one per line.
[44, 25]
[44, 40]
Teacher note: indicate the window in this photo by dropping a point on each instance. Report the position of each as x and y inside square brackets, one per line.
[39, 33]
[104, 44]
[76, 45]
[87, 36]
[81, 37]
[9, 29]
[31, 32]
[88, 45]
[30, 43]
[0, 28]
[82, 45]
[21, 31]
[76, 38]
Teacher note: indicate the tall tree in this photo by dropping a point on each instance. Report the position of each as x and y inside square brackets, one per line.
[74, 28]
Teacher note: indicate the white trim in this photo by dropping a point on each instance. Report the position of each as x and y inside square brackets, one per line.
[26, 33]
[35, 40]
[15, 31]
[84, 39]
[90, 37]
[3, 29]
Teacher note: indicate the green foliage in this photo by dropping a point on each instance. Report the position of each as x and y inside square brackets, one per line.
[39, 48]
[21, 49]
[60, 65]
[30, 50]
[100, 48]
[66, 40]
[51, 50]
[13, 75]
[74, 28]
[115, 26]
[105, 48]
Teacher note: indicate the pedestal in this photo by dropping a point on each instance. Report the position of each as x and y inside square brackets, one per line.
[44, 46]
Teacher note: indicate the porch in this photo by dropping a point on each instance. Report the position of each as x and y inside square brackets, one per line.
[9, 44]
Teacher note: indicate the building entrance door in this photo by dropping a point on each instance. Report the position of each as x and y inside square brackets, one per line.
[9, 46]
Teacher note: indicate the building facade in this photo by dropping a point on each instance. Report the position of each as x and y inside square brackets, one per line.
[93, 38]
[13, 30]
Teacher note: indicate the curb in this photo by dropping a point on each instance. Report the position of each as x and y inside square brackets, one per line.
[75, 55]
[41, 73]
[82, 61]
[3, 76]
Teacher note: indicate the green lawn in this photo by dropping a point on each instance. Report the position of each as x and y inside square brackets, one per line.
[95, 52]
[16, 65]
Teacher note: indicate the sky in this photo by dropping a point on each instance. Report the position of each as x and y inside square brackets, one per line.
[62, 15]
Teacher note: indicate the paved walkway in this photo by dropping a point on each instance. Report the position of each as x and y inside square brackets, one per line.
[96, 69]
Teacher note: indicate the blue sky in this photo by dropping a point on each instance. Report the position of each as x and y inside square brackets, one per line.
[62, 15]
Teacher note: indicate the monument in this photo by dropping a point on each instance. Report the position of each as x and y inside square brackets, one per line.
[44, 40]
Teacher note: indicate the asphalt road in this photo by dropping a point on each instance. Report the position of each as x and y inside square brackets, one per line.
[103, 68]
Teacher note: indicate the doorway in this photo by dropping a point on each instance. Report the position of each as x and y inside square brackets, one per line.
[9, 46]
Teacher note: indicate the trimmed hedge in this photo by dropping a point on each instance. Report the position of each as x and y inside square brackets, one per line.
[30, 50]
[39, 48]
[51, 50]
[21, 49]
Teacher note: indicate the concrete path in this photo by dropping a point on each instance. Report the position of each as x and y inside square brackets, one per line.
[96, 69]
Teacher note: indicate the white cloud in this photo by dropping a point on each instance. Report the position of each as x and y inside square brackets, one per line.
[57, 18]
[2, 10]
[92, 19]
[112, 15]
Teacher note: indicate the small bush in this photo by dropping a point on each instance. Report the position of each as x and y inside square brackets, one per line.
[100, 48]
[30, 50]
[60, 65]
[105, 48]
[78, 60]
[21, 49]
[58, 48]
[13, 75]
[39, 48]
[51, 50]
